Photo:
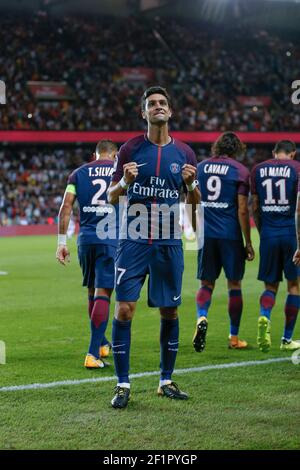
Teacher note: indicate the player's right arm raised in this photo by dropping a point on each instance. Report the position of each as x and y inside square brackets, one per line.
[117, 189]
[244, 220]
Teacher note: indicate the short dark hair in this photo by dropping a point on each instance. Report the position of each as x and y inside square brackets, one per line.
[151, 91]
[285, 146]
[228, 144]
[104, 146]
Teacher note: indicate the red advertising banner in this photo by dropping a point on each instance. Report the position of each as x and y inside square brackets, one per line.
[49, 90]
[137, 74]
[254, 100]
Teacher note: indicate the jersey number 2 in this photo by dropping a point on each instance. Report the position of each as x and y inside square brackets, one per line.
[96, 198]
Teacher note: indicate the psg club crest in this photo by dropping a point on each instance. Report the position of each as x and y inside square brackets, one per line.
[175, 168]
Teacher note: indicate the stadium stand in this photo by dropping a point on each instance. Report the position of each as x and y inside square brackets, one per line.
[216, 79]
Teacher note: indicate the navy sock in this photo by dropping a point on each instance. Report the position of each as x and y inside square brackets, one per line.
[104, 342]
[235, 308]
[291, 313]
[121, 337]
[99, 320]
[169, 335]
[267, 301]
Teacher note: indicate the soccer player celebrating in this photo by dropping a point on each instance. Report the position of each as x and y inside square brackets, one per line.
[153, 169]
[88, 184]
[224, 187]
[274, 194]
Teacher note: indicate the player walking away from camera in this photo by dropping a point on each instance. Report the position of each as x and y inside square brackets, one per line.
[153, 169]
[88, 184]
[224, 187]
[274, 186]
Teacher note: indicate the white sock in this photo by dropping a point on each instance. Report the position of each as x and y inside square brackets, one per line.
[164, 382]
[123, 384]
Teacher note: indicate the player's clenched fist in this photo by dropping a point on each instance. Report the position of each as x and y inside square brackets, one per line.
[188, 173]
[250, 254]
[130, 172]
[296, 258]
[63, 254]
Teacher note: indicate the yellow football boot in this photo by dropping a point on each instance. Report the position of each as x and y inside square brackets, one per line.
[264, 334]
[92, 363]
[104, 350]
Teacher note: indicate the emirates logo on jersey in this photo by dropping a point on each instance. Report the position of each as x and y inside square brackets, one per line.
[175, 168]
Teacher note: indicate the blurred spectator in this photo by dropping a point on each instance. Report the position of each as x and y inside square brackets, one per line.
[33, 179]
[205, 67]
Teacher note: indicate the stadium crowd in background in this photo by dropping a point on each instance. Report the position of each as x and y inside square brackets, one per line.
[32, 179]
[209, 71]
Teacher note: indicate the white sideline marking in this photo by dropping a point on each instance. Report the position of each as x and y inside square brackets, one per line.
[14, 388]
[3, 273]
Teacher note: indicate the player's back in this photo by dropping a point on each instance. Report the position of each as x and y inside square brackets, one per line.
[91, 182]
[275, 182]
[221, 179]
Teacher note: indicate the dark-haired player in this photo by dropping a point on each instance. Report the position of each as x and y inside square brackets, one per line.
[153, 169]
[224, 187]
[274, 187]
[88, 184]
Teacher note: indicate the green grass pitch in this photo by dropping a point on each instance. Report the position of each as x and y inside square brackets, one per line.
[44, 323]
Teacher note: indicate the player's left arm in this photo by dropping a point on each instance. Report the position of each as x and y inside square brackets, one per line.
[62, 252]
[256, 211]
[296, 257]
[255, 200]
[189, 173]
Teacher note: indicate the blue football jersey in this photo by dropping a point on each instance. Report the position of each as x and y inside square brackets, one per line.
[99, 221]
[221, 179]
[156, 189]
[276, 184]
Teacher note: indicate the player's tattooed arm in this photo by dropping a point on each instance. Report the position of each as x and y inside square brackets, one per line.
[117, 189]
[62, 253]
[256, 211]
[244, 220]
[296, 258]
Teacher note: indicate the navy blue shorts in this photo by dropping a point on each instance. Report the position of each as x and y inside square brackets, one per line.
[162, 263]
[276, 256]
[220, 253]
[97, 263]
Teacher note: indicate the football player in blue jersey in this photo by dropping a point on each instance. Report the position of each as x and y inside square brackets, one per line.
[274, 187]
[224, 187]
[153, 169]
[88, 185]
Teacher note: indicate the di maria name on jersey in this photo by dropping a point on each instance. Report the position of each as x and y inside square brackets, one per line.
[276, 184]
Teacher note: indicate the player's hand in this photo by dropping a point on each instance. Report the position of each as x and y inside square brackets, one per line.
[130, 172]
[63, 254]
[188, 173]
[250, 254]
[296, 258]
